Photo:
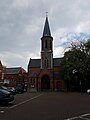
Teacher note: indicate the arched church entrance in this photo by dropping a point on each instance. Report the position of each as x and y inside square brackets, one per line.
[45, 83]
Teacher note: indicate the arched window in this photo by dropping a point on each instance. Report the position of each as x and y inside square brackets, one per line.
[46, 62]
[42, 45]
[45, 43]
[51, 45]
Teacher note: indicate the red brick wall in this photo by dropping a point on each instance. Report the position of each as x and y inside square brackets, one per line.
[56, 69]
[49, 73]
[33, 69]
[22, 71]
[14, 78]
[57, 80]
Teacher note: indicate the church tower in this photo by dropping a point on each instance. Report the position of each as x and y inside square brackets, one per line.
[46, 47]
[44, 73]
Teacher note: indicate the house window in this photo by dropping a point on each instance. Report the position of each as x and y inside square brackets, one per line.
[34, 80]
[31, 80]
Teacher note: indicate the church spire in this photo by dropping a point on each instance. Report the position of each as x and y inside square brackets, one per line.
[46, 31]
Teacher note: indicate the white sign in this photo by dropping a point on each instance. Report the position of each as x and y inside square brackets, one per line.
[6, 81]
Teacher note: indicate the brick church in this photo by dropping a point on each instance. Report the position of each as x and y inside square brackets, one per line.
[44, 73]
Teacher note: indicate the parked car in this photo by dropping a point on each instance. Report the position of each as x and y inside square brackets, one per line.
[12, 90]
[9, 89]
[88, 91]
[5, 96]
[19, 88]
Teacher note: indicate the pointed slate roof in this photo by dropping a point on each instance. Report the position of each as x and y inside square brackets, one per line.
[0, 62]
[46, 31]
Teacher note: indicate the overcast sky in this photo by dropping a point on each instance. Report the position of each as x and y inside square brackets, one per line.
[22, 22]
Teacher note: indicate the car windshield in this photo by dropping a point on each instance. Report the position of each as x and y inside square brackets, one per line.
[3, 87]
[4, 91]
[11, 88]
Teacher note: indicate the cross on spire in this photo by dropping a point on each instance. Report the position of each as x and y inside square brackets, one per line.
[46, 31]
[46, 13]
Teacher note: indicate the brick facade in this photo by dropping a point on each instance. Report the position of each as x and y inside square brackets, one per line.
[13, 76]
[44, 73]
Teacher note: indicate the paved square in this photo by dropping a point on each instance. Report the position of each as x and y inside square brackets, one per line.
[48, 106]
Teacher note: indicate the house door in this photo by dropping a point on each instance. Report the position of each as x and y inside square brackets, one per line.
[45, 83]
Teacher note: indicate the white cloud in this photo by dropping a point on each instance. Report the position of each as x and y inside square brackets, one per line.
[59, 51]
[22, 22]
[31, 29]
[83, 27]
[20, 3]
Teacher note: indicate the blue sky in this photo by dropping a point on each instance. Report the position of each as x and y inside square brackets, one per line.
[22, 22]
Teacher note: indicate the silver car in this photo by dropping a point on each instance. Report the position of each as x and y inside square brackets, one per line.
[88, 91]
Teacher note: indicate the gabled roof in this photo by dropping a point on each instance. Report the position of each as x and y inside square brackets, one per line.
[37, 62]
[15, 70]
[0, 62]
[34, 63]
[56, 61]
[46, 31]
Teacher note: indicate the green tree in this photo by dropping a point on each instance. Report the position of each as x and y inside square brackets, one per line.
[75, 68]
[87, 63]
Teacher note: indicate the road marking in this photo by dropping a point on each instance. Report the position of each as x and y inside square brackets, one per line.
[85, 115]
[71, 118]
[81, 116]
[1, 111]
[25, 101]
